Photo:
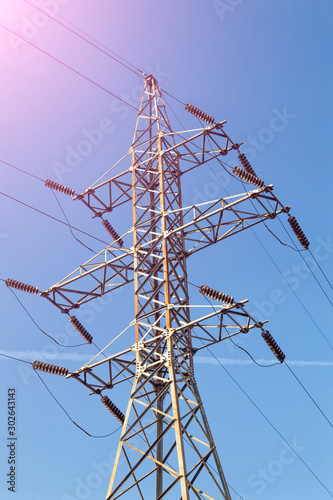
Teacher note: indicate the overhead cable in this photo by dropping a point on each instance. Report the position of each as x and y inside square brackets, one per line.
[69, 67]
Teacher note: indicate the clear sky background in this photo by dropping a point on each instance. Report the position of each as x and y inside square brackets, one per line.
[265, 67]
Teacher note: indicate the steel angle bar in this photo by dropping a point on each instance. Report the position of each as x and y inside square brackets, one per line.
[115, 191]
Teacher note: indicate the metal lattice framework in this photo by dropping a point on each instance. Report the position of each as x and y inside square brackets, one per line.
[165, 431]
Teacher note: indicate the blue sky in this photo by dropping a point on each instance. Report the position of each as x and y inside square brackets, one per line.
[265, 68]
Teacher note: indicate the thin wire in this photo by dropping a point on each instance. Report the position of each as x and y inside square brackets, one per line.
[270, 423]
[307, 392]
[328, 281]
[21, 170]
[70, 228]
[17, 359]
[70, 418]
[297, 297]
[280, 241]
[80, 36]
[173, 97]
[276, 266]
[263, 366]
[69, 67]
[311, 271]
[315, 277]
[54, 218]
[97, 41]
[39, 328]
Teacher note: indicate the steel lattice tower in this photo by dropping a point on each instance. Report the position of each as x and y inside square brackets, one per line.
[165, 433]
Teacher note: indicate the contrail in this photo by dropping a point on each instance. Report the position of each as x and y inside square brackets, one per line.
[203, 360]
[43, 355]
[210, 360]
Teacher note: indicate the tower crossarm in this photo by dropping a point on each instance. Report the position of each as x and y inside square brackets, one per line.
[204, 145]
[224, 322]
[208, 223]
[110, 269]
[104, 197]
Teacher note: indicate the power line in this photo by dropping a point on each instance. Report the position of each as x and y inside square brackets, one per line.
[69, 67]
[307, 392]
[70, 418]
[297, 297]
[70, 228]
[57, 199]
[21, 170]
[39, 328]
[137, 71]
[52, 217]
[326, 278]
[80, 36]
[307, 264]
[266, 366]
[16, 359]
[270, 423]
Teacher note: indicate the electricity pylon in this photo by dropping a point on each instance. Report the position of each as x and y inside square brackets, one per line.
[165, 432]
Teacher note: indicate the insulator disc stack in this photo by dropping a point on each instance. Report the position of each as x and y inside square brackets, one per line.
[199, 114]
[298, 231]
[113, 232]
[246, 176]
[246, 165]
[21, 286]
[45, 367]
[113, 409]
[59, 187]
[80, 328]
[273, 346]
[214, 294]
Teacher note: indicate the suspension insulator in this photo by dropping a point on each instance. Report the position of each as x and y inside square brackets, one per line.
[273, 346]
[45, 367]
[246, 176]
[246, 165]
[298, 231]
[214, 294]
[76, 323]
[199, 114]
[113, 232]
[21, 286]
[113, 409]
[59, 187]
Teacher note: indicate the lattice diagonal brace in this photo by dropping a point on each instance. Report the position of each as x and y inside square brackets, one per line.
[165, 432]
